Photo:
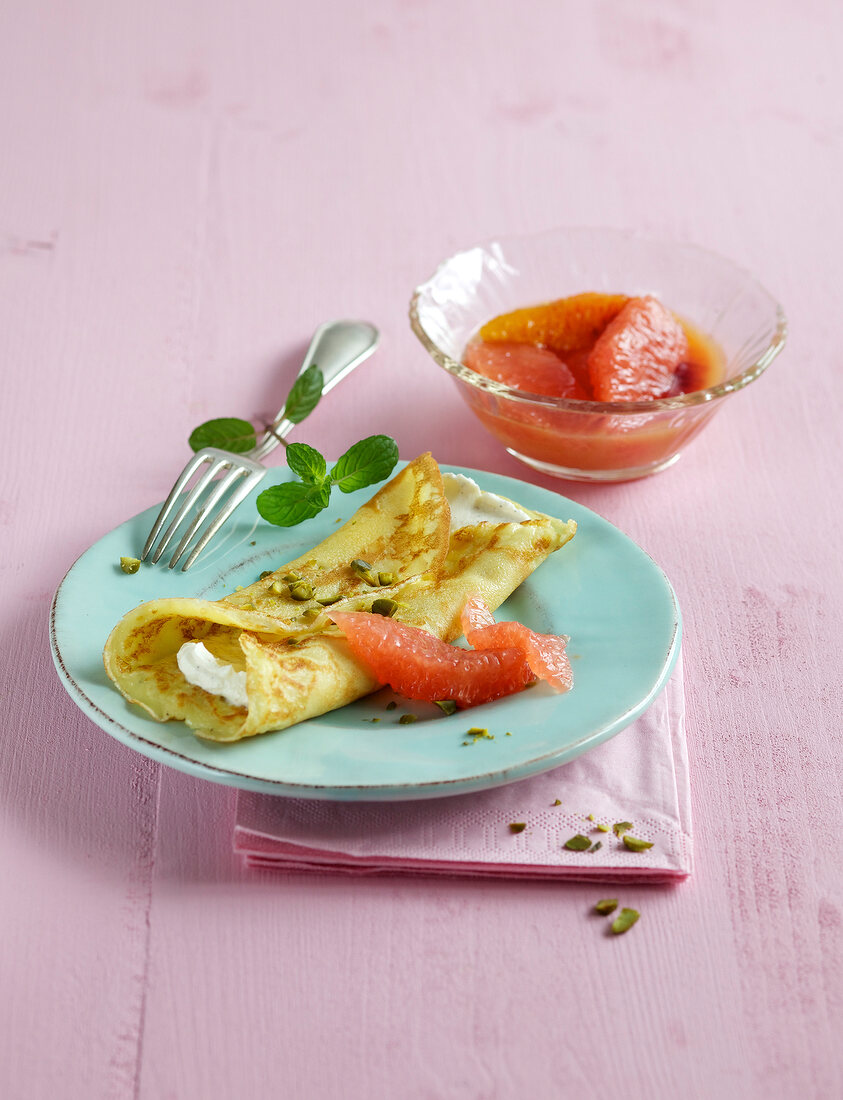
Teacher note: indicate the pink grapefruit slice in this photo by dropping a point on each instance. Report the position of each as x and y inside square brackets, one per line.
[524, 367]
[419, 665]
[638, 353]
[545, 653]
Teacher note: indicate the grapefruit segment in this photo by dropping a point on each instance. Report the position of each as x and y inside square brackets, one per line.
[419, 665]
[474, 616]
[524, 367]
[637, 355]
[545, 653]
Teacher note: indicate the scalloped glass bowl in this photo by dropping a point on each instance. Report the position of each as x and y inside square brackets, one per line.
[592, 440]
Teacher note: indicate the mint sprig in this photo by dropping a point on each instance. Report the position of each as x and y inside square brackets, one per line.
[372, 459]
[230, 433]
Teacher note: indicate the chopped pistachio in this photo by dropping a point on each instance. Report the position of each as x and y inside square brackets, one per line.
[558, 802]
[364, 570]
[517, 826]
[603, 828]
[391, 705]
[301, 590]
[624, 920]
[278, 588]
[596, 847]
[387, 578]
[253, 543]
[578, 843]
[266, 573]
[636, 845]
[384, 606]
[589, 817]
[620, 827]
[294, 642]
[326, 601]
[447, 706]
[478, 734]
[291, 577]
[312, 564]
[507, 734]
[371, 719]
[406, 719]
[606, 906]
[130, 565]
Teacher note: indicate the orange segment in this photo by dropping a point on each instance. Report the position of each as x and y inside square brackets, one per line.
[638, 354]
[568, 324]
[524, 367]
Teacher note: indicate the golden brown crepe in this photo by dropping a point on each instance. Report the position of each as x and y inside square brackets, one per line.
[297, 663]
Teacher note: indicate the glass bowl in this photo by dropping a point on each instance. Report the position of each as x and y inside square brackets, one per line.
[593, 440]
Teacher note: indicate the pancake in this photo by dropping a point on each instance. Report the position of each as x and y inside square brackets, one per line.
[297, 664]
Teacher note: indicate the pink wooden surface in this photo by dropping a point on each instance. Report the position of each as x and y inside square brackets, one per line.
[186, 190]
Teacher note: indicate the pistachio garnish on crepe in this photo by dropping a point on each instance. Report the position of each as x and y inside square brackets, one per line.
[276, 658]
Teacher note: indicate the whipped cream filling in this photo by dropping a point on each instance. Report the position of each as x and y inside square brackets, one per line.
[468, 503]
[202, 669]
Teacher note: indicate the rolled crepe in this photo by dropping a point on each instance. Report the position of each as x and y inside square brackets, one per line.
[297, 663]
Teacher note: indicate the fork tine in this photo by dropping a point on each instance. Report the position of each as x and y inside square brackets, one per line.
[182, 480]
[190, 499]
[239, 494]
[219, 490]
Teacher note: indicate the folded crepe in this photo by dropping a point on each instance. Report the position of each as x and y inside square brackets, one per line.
[296, 661]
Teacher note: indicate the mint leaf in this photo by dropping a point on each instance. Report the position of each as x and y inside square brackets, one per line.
[228, 433]
[292, 502]
[307, 462]
[370, 460]
[304, 396]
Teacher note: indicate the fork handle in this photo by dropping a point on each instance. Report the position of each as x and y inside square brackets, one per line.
[337, 348]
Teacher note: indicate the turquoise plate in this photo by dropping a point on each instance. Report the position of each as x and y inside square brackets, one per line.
[601, 589]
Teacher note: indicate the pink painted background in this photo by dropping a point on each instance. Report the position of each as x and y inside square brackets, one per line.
[186, 190]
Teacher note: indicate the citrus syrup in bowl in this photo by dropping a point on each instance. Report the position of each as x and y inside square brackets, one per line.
[606, 363]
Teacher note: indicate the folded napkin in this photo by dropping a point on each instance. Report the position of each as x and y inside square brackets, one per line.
[639, 776]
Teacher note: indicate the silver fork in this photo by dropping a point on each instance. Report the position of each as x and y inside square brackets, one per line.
[337, 348]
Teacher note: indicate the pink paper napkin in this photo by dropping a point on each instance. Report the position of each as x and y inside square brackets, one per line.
[641, 776]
